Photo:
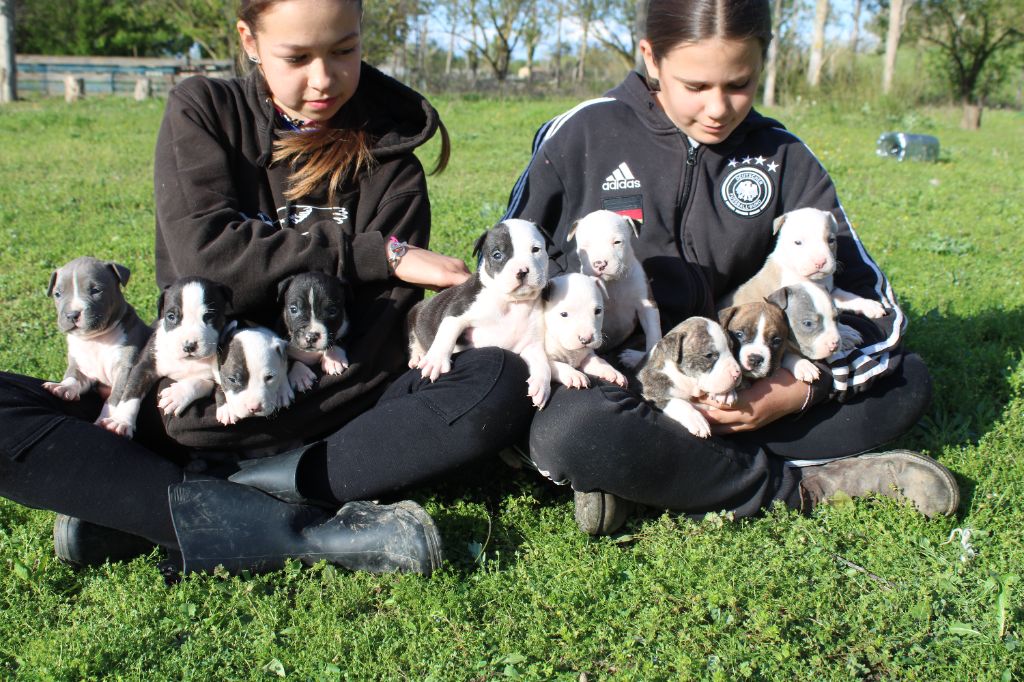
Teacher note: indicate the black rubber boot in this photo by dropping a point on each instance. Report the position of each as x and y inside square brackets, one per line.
[220, 523]
[279, 475]
[80, 543]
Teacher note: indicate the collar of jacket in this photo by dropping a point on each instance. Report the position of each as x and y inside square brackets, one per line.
[398, 118]
[634, 92]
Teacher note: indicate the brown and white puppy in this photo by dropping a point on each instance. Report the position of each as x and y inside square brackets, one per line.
[313, 313]
[813, 328]
[251, 375]
[183, 347]
[759, 331]
[805, 251]
[692, 361]
[104, 333]
[499, 306]
[574, 309]
[604, 246]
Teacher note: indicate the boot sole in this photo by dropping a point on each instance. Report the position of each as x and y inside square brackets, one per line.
[930, 464]
[435, 550]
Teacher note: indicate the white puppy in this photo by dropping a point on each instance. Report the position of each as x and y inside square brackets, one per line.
[606, 252]
[805, 251]
[252, 375]
[573, 316]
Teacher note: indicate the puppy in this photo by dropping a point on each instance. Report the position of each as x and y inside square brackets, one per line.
[183, 347]
[693, 360]
[251, 375]
[315, 322]
[759, 331]
[804, 251]
[499, 305]
[606, 252]
[574, 309]
[813, 327]
[104, 333]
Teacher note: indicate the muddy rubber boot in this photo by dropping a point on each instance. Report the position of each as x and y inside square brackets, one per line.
[279, 475]
[242, 529]
[80, 543]
[899, 474]
[600, 513]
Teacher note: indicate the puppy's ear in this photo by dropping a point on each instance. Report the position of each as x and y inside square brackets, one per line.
[282, 287]
[778, 223]
[160, 303]
[633, 225]
[572, 231]
[833, 224]
[676, 347]
[779, 297]
[548, 239]
[281, 348]
[545, 293]
[228, 295]
[478, 245]
[224, 340]
[121, 272]
[725, 317]
[600, 286]
[53, 283]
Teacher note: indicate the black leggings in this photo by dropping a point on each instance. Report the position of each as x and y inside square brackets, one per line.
[53, 457]
[605, 438]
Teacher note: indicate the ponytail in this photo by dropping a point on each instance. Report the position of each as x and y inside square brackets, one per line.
[335, 154]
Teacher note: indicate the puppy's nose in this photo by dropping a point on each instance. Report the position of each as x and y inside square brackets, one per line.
[521, 273]
[586, 339]
[832, 345]
[820, 263]
[312, 337]
[256, 407]
[73, 315]
[599, 265]
[190, 346]
[754, 361]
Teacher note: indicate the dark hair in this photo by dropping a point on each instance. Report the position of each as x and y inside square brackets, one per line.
[338, 151]
[671, 23]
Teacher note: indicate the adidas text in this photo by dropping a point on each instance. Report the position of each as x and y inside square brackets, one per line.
[620, 184]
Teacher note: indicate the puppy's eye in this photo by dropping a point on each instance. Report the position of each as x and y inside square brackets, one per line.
[598, 311]
[95, 291]
[293, 309]
[797, 242]
[711, 356]
[831, 240]
[497, 255]
[616, 242]
[268, 378]
[808, 324]
[740, 336]
[535, 249]
[208, 317]
[332, 311]
[171, 317]
[58, 293]
[775, 342]
[234, 380]
[563, 314]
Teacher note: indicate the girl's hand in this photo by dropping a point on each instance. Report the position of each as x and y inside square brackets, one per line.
[762, 403]
[431, 270]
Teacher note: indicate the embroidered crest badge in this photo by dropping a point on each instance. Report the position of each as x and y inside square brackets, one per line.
[747, 191]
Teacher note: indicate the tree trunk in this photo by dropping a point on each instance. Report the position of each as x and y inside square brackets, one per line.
[8, 63]
[772, 67]
[451, 51]
[640, 31]
[558, 45]
[817, 44]
[972, 115]
[855, 33]
[581, 65]
[892, 42]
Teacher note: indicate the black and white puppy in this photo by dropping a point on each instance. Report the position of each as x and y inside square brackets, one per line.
[251, 374]
[104, 333]
[183, 347]
[759, 331]
[315, 321]
[499, 305]
[692, 361]
[814, 332]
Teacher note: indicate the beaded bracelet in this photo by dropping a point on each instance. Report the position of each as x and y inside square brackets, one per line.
[396, 249]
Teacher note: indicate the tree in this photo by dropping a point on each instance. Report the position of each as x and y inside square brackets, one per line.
[970, 36]
[610, 18]
[8, 67]
[817, 43]
[897, 19]
[497, 26]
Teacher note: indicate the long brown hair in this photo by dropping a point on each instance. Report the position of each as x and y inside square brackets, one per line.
[671, 23]
[339, 150]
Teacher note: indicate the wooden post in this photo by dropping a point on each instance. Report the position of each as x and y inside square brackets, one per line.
[74, 88]
[143, 89]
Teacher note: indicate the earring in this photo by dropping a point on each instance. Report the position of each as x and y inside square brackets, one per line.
[253, 58]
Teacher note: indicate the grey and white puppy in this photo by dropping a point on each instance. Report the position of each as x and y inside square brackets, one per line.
[813, 327]
[693, 361]
[604, 246]
[251, 375]
[104, 333]
[499, 305]
[574, 309]
[183, 347]
[315, 321]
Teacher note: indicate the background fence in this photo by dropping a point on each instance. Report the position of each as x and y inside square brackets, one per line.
[45, 75]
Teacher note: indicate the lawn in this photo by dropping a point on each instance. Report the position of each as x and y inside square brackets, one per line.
[865, 590]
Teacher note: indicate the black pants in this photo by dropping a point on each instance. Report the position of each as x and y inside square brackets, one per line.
[53, 457]
[605, 438]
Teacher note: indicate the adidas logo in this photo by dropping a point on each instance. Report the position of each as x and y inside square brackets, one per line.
[622, 178]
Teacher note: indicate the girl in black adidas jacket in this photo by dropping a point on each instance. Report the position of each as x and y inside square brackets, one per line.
[307, 164]
[683, 153]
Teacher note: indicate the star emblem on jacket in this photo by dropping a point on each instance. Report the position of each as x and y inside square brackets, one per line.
[747, 190]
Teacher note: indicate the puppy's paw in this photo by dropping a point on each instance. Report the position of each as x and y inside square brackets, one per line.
[806, 371]
[539, 390]
[334, 361]
[689, 416]
[175, 398]
[431, 366]
[63, 391]
[631, 358]
[569, 376]
[849, 338]
[226, 416]
[121, 428]
[613, 376]
[285, 395]
[300, 377]
[868, 308]
[723, 399]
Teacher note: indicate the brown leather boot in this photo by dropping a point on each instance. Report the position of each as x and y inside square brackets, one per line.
[600, 513]
[899, 474]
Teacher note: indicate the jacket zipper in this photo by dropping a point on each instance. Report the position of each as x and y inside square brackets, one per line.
[684, 199]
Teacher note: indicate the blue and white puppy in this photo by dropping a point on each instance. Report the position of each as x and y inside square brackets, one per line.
[315, 322]
[104, 333]
[251, 375]
[183, 347]
[499, 305]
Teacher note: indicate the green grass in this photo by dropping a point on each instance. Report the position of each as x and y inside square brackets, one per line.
[856, 591]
